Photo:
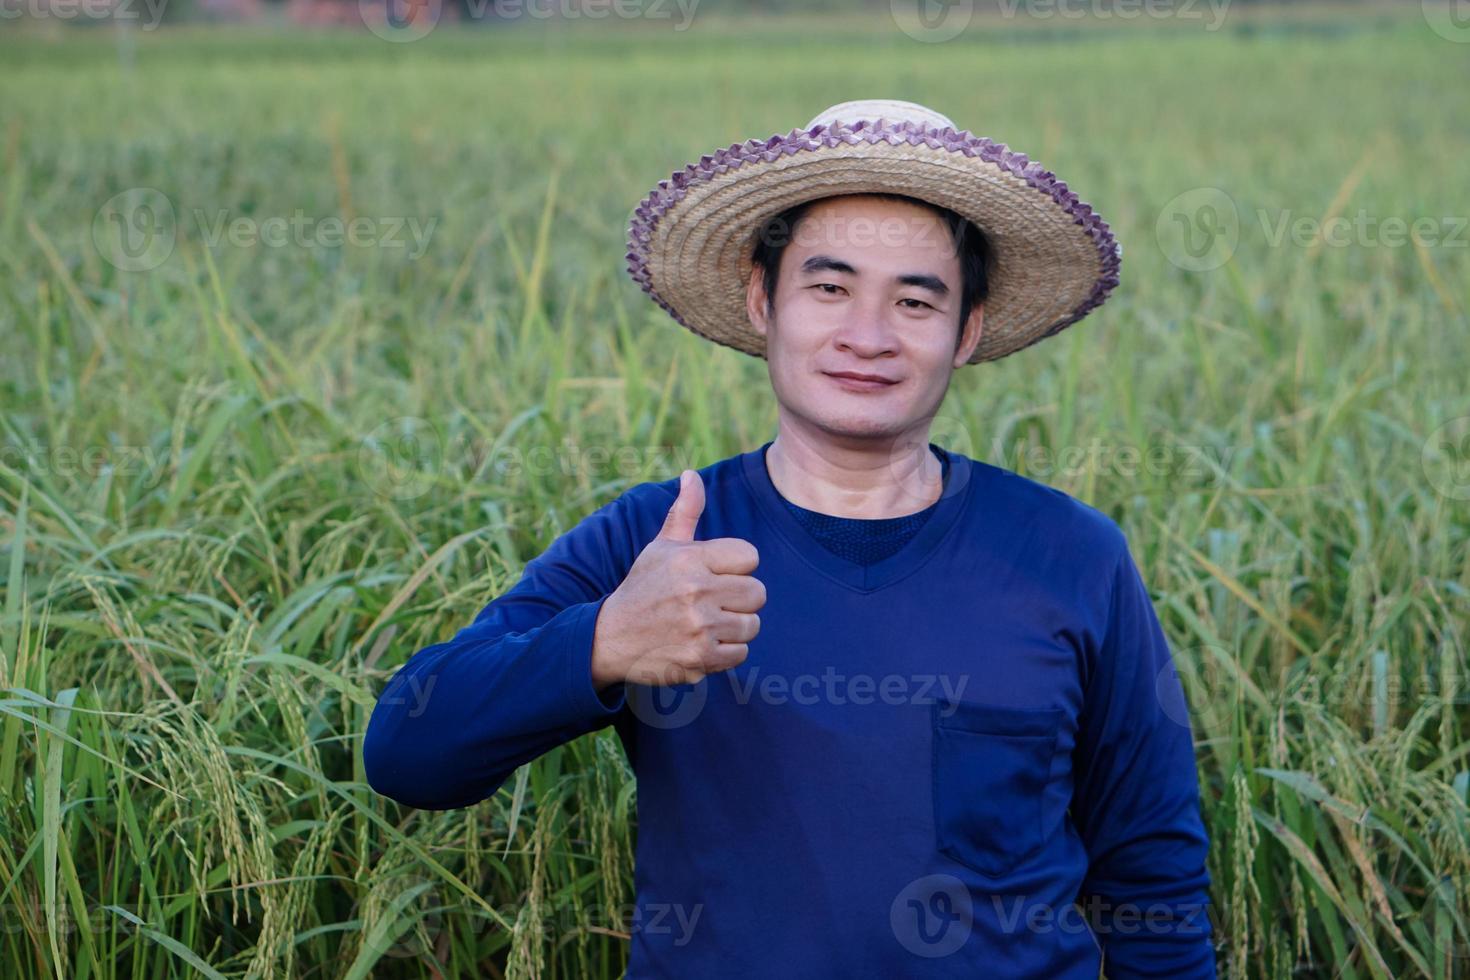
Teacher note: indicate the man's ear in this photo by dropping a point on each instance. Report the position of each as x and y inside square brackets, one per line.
[755, 300]
[970, 335]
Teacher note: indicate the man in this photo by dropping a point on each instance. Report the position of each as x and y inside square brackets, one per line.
[893, 712]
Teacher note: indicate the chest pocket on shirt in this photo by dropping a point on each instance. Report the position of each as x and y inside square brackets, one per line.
[991, 768]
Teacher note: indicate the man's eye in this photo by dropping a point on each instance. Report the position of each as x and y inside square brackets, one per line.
[921, 303]
[830, 288]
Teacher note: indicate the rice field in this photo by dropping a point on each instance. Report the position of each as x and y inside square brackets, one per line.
[311, 341]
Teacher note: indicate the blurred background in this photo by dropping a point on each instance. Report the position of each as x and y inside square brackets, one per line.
[315, 328]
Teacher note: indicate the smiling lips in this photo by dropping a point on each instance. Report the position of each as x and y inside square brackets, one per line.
[857, 381]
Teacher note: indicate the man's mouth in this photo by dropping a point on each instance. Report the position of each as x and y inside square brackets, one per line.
[859, 381]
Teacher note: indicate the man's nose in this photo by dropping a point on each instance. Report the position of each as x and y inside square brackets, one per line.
[865, 329]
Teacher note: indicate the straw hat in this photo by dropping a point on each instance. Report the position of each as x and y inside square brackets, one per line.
[690, 240]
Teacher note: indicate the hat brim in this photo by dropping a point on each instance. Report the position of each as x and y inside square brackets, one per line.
[690, 240]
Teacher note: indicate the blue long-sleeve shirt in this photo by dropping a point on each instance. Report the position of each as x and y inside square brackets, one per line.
[966, 758]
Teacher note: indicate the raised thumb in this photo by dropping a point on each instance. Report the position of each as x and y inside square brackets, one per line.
[684, 514]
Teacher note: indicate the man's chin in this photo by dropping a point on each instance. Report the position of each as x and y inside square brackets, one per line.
[848, 427]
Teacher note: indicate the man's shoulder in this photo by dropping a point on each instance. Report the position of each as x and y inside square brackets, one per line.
[1082, 527]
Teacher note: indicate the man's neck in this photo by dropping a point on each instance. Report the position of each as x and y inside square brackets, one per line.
[890, 479]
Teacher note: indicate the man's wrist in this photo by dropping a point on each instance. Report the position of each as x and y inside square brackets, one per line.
[605, 671]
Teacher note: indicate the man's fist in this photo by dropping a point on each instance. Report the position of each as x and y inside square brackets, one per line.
[686, 608]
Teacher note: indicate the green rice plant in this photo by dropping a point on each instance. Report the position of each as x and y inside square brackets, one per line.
[239, 487]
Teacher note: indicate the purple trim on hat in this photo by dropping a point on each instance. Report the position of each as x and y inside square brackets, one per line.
[668, 192]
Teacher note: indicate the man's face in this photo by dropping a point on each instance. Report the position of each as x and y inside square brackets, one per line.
[871, 287]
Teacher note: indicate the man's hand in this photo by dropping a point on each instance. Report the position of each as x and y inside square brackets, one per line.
[686, 608]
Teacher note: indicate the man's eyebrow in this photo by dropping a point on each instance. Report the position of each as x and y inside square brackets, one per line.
[933, 284]
[819, 262]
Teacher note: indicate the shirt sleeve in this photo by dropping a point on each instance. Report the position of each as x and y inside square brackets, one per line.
[1137, 804]
[459, 717]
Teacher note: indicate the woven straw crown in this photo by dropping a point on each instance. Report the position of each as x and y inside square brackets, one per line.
[690, 240]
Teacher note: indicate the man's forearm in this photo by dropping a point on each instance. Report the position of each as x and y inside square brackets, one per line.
[1159, 936]
[459, 717]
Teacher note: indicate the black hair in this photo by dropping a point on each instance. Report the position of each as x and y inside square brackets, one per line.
[973, 245]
